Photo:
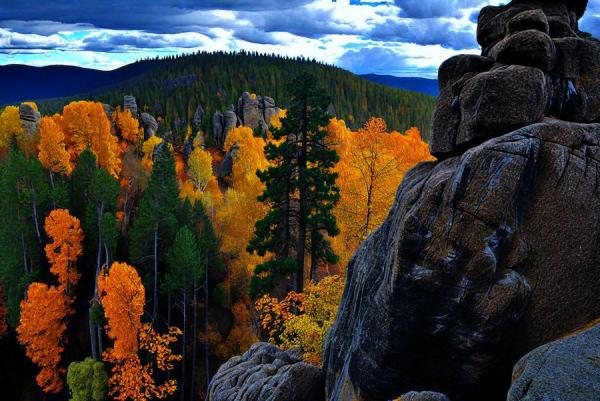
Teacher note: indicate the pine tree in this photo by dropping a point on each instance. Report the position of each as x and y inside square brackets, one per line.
[156, 218]
[302, 174]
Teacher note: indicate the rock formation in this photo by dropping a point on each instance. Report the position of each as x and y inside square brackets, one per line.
[30, 119]
[149, 124]
[423, 396]
[252, 111]
[566, 369]
[265, 373]
[130, 104]
[198, 117]
[223, 123]
[490, 251]
[256, 111]
[535, 63]
[108, 110]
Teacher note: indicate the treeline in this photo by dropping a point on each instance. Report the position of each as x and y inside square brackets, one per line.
[177, 85]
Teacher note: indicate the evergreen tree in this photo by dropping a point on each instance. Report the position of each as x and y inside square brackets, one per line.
[301, 174]
[81, 180]
[24, 200]
[156, 218]
[185, 268]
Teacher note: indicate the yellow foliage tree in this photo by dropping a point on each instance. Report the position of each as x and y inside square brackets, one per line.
[85, 124]
[127, 126]
[148, 151]
[302, 320]
[372, 165]
[52, 151]
[10, 126]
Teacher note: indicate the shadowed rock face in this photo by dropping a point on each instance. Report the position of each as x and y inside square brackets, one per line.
[535, 63]
[482, 257]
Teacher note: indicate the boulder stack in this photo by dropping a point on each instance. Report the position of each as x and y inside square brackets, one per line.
[252, 111]
[30, 119]
[535, 63]
[492, 250]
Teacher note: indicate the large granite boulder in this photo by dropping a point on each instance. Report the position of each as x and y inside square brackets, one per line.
[566, 369]
[223, 123]
[423, 396]
[149, 124]
[256, 111]
[483, 257]
[30, 119]
[266, 373]
[563, 79]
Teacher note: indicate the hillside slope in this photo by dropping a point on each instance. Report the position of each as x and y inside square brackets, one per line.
[421, 85]
[174, 87]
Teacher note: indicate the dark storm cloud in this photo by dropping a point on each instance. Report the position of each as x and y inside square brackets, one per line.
[435, 8]
[428, 31]
[159, 16]
[124, 41]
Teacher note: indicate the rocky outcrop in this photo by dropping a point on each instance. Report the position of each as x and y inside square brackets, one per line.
[149, 124]
[535, 63]
[490, 251]
[252, 111]
[223, 123]
[567, 369]
[108, 110]
[226, 167]
[130, 104]
[266, 373]
[423, 396]
[30, 119]
[198, 117]
[466, 273]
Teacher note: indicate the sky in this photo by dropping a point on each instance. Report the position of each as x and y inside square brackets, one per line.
[395, 37]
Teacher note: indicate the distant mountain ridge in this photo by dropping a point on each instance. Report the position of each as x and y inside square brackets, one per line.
[175, 87]
[23, 82]
[416, 84]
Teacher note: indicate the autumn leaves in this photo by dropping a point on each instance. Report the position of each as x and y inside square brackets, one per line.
[45, 310]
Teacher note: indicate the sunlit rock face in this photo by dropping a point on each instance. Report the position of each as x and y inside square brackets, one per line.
[535, 63]
[266, 373]
[492, 250]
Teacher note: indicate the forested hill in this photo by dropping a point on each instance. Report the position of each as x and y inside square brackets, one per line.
[174, 87]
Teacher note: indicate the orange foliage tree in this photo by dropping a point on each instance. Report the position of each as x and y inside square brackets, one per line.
[122, 296]
[44, 312]
[67, 236]
[85, 124]
[52, 151]
[41, 330]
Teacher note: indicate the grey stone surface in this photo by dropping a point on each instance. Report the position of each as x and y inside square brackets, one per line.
[266, 373]
[465, 275]
[149, 123]
[566, 369]
[423, 396]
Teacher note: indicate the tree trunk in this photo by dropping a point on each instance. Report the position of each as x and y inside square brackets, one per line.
[184, 349]
[314, 259]
[194, 339]
[100, 348]
[93, 338]
[206, 365]
[303, 202]
[155, 292]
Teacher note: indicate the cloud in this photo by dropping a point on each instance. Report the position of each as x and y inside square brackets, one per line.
[435, 8]
[591, 24]
[429, 31]
[17, 41]
[117, 41]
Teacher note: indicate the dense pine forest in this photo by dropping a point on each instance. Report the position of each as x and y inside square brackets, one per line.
[175, 86]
